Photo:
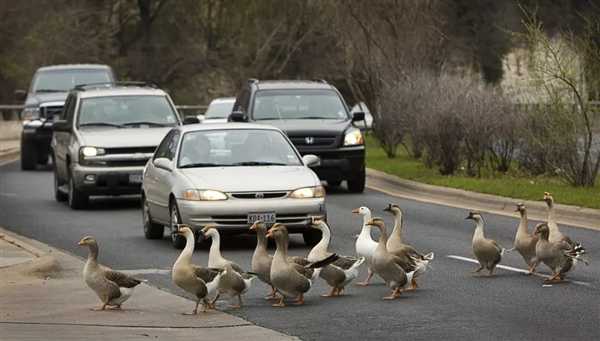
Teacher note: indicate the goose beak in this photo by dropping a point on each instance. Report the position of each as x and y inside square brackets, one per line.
[355, 211]
[468, 217]
[81, 243]
[270, 234]
[388, 208]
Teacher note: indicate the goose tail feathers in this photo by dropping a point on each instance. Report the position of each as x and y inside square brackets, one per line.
[323, 262]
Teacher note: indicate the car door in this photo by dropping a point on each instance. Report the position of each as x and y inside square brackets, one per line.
[60, 139]
[157, 181]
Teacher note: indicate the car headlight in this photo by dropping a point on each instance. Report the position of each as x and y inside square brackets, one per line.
[308, 192]
[30, 113]
[203, 195]
[353, 138]
[88, 151]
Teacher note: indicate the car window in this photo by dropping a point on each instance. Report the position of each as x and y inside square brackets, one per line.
[132, 111]
[298, 104]
[241, 102]
[219, 109]
[236, 147]
[64, 80]
[165, 147]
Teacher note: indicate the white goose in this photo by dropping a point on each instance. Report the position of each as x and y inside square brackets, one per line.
[215, 258]
[365, 245]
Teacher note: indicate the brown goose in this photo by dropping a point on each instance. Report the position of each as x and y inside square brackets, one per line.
[289, 278]
[487, 251]
[261, 259]
[555, 234]
[559, 256]
[339, 273]
[196, 280]
[387, 265]
[412, 260]
[525, 241]
[112, 287]
[215, 259]
[234, 284]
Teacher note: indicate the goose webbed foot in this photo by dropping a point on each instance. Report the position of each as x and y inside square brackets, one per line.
[334, 292]
[367, 280]
[300, 300]
[272, 295]
[394, 295]
[101, 308]
[279, 304]
[413, 285]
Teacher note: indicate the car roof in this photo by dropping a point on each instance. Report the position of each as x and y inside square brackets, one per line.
[74, 67]
[291, 84]
[223, 100]
[224, 126]
[121, 91]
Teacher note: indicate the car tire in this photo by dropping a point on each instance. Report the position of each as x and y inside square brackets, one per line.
[311, 236]
[76, 198]
[59, 195]
[335, 183]
[357, 185]
[152, 230]
[28, 155]
[177, 241]
[42, 157]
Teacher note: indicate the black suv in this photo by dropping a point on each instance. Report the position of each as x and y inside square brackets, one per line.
[316, 118]
[45, 100]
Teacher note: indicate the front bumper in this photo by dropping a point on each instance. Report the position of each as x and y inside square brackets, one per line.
[340, 163]
[107, 180]
[231, 215]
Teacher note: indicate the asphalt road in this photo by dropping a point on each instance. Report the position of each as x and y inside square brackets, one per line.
[451, 304]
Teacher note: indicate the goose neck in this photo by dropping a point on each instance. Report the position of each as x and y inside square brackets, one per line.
[187, 252]
[281, 247]
[93, 254]
[479, 230]
[522, 229]
[397, 231]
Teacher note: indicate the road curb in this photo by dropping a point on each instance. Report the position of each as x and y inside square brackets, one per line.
[393, 185]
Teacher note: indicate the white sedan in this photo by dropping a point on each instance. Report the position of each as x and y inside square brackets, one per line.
[231, 175]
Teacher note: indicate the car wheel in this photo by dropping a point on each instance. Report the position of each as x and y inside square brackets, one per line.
[42, 157]
[311, 236]
[177, 241]
[357, 185]
[77, 199]
[151, 230]
[59, 195]
[335, 183]
[28, 155]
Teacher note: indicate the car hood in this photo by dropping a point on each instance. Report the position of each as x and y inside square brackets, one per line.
[310, 127]
[122, 137]
[251, 179]
[38, 98]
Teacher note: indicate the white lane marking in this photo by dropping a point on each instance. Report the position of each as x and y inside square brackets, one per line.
[146, 271]
[510, 268]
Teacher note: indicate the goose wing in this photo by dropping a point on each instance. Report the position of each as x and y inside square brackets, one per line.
[345, 262]
[205, 274]
[121, 280]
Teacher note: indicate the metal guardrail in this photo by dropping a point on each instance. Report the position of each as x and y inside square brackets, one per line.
[15, 109]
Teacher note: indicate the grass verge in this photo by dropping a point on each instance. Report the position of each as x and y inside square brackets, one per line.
[508, 185]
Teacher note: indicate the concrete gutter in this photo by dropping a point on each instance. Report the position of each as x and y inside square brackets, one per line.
[9, 150]
[395, 186]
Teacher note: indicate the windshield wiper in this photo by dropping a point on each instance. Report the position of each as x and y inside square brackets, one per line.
[201, 164]
[49, 90]
[154, 124]
[315, 118]
[259, 163]
[105, 124]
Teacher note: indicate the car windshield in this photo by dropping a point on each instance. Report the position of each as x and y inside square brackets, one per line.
[236, 147]
[127, 111]
[298, 104]
[65, 80]
[219, 109]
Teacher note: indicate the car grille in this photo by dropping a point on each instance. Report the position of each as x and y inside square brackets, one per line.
[50, 111]
[308, 140]
[259, 195]
[130, 150]
[126, 163]
[122, 157]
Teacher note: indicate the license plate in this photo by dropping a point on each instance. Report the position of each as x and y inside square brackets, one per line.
[268, 218]
[135, 178]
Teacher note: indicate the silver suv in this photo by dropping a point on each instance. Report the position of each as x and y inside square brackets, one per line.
[104, 137]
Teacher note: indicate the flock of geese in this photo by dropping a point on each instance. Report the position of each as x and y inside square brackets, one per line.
[399, 264]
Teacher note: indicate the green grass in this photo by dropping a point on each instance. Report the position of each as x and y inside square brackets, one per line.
[511, 185]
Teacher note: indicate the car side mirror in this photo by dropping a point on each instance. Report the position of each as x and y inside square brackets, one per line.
[358, 116]
[20, 95]
[238, 116]
[61, 125]
[163, 163]
[311, 160]
[191, 120]
[200, 117]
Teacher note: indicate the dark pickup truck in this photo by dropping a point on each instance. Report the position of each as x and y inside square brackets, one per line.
[316, 118]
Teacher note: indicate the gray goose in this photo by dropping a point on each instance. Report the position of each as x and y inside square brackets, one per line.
[112, 287]
[261, 259]
[387, 265]
[487, 251]
[412, 260]
[559, 256]
[234, 284]
[290, 278]
[339, 273]
[524, 241]
[196, 280]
